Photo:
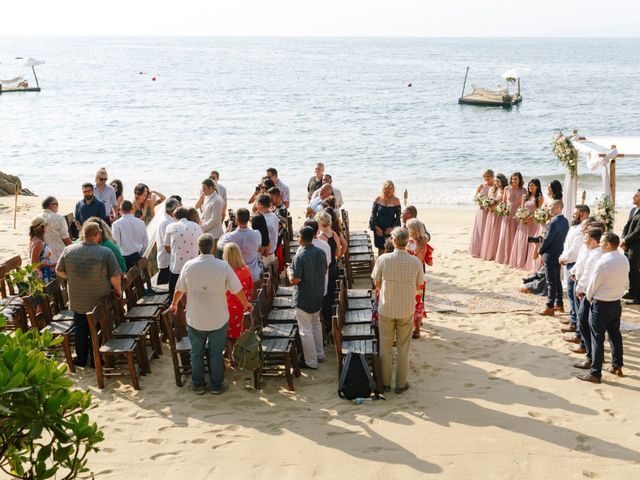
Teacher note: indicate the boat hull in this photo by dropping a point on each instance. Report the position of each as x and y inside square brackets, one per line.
[504, 102]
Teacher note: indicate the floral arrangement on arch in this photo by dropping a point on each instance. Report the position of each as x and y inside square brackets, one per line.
[522, 214]
[502, 210]
[605, 212]
[565, 152]
[541, 216]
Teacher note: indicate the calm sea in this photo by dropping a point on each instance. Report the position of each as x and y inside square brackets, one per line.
[240, 105]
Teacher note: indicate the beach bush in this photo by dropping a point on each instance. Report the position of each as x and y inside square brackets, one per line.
[44, 428]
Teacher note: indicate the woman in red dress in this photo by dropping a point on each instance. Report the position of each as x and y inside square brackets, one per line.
[419, 248]
[232, 255]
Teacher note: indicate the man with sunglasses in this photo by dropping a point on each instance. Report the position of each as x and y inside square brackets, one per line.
[89, 207]
[106, 194]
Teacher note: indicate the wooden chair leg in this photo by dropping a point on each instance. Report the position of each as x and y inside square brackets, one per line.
[294, 360]
[132, 371]
[256, 378]
[66, 346]
[97, 362]
[375, 361]
[288, 367]
[176, 367]
[156, 344]
[145, 366]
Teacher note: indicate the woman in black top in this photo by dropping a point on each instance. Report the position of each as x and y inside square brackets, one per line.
[385, 215]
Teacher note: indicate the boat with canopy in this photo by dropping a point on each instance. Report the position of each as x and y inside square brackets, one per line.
[20, 83]
[501, 97]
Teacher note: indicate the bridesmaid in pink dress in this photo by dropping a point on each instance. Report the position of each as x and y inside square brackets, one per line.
[492, 227]
[513, 198]
[521, 255]
[475, 247]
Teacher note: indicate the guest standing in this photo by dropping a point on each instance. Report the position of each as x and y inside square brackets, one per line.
[89, 207]
[315, 182]
[397, 275]
[56, 235]
[91, 272]
[513, 198]
[263, 205]
[119, 189]
[272, 174]
[130, 233]
[521, 255]
[106, 240]
[205, 280]
[569, 256]
[490, 237]
[232, 255]
[592, 241]
[550, 250]
[605, 290]
[181, 242]
[475, 246]
[145, 202]
[106, 194]
[222, 190]
[307, 275]
[164, 257]
[249, 242]
[385, 215]
[39, 251]
[631, 246]
[212, 208]
[328, 179]
[326, 234]
[418, 247]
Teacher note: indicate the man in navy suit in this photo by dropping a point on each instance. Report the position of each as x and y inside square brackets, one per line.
[631, 245]
[551, 249]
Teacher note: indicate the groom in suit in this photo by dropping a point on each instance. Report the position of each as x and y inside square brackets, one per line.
[631, 245]
[551, 249]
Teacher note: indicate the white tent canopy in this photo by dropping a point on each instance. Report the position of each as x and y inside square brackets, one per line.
[600, 153]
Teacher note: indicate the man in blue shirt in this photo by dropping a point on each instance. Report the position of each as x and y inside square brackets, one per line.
[551, 249]
[89, 206]
[307, 275]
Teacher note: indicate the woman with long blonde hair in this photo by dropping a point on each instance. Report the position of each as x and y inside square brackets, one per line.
[233, 256]
[419, 247]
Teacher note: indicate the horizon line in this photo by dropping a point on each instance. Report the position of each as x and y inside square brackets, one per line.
[128, 35]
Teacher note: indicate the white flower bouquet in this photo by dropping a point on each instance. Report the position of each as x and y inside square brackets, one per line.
[488, 202]
[605, 212]
[522, 214]
[566, 153]
[479, 199]
[502, 210]
[541, 216]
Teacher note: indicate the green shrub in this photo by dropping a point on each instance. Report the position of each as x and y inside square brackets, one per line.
[44, 427]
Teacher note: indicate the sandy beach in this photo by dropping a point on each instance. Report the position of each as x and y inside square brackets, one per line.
[492, 395]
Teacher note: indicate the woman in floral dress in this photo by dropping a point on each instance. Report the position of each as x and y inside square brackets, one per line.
[232, 255]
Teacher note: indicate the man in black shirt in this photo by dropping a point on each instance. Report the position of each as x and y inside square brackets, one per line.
[315, 182]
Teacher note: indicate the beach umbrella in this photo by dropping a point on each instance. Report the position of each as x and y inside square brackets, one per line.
[32, 62]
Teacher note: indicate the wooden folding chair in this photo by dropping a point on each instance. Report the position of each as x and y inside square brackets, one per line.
[178, 340]
[7, 289]
[107, 351]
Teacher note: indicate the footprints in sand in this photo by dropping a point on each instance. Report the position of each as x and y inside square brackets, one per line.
[588, 474]
[164, 455]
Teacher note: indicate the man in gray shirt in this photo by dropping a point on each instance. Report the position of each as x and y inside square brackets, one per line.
[248, 240]
[91, 271]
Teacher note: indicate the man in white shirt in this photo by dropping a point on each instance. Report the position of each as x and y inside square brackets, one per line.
[263, 206]
[272, 173]
[212, 208]
[222, 190]
[592, 242]
[326, 179]
[106, 194]
[605, 289]
[181, 241]
[249, 242]
[57, 232]
[164, 257]
[569, 255]
[315, 206]
[205, 280]
[130, 233]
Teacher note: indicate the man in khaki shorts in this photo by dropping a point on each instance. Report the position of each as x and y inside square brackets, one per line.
[398, 275]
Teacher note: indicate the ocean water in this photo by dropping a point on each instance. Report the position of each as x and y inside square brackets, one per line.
[240, 105]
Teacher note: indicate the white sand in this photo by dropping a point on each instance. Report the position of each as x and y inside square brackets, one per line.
[492, 396]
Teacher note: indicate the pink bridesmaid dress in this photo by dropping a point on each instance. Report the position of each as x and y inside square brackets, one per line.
[491, 228]
[475, 247]
[509, 224]
[521, 255]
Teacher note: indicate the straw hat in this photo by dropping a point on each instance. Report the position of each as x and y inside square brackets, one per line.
[38, 221]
